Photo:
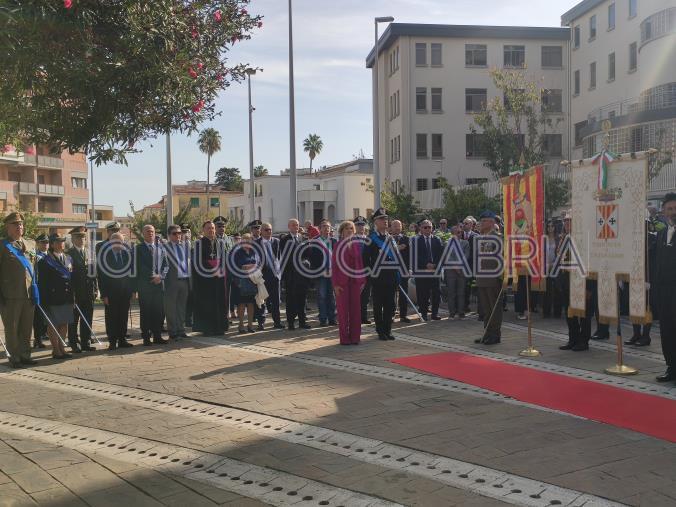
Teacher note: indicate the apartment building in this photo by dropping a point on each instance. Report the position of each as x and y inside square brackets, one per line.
[622, 61]
[55, 186]
[433, 78]
[338, 192]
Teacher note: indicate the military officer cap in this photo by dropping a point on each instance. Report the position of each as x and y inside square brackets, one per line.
[53, 238]
[42, 238]
[379, 213]
[14, 218]
[185, 227]
[360, 220]
[488, 214]
[254, 223]
[220, 220]
[113, 227]
[78, 231]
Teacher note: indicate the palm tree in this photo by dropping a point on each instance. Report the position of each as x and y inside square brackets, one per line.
[313, 145]
[209, 142]
[260, 171]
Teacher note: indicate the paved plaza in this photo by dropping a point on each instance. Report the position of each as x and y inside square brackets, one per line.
[292, 418]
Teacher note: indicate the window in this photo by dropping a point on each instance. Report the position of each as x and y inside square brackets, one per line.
[611, 17]
[578, 132]
[421, 184]
[515, 56]
[576, 83]
[475, 181]
[397, 103]
[611, 67]
[421, 100]
[436, 54]
[79, 182]
[633, 57]
[576, 37]
[436, 100]
[592, 28]
[398, 147]
[552, 101]
[475, 99]
[80, 209]
[421, 54]
[355, 212]
[215, 201]
[592, 75]
[476, 55]
[391, 150]
[437, 146]
[421, 145]
[436, 183]
[636, 139]
[552, 145]
[194, 202]
[552, 57]
[507, 102]
[633, 8]
[474, 145]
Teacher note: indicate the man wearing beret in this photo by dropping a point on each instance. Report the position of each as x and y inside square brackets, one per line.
[39, 322]
[84, 292]
[18, 292]
[488, 284]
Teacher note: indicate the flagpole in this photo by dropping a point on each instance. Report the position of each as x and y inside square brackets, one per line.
[530, 351]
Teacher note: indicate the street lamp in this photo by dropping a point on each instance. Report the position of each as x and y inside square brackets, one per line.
[170, 189]
[376, 133]
[252, 191]
[293, 202]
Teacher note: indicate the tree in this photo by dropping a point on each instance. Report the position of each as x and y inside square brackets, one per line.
[662, 157]
[514, 130]
[557, 194]
[209, 142]
[229, 178]
[470, 200]
[98, 77]
[259, 171]
[30, 223]
[400, 205]
[313, 145]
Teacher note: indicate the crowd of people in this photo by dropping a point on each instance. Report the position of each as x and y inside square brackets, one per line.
[215, 280]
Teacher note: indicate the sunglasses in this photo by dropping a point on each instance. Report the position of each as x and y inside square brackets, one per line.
[427, 227]
[175, 233]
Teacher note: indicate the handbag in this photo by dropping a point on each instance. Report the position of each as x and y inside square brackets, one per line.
[246, 287]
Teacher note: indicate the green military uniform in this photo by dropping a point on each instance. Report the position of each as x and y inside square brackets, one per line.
[16, 306]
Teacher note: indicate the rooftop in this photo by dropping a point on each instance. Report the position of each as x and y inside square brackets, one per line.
[396, 30]
[579, 10]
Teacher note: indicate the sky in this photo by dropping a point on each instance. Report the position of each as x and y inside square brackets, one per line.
[333, 89]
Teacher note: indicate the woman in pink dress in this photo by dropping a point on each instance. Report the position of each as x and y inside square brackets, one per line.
[345, 262]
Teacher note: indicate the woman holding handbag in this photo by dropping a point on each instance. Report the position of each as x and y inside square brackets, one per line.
[244, 291]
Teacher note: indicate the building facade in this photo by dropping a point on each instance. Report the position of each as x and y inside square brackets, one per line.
[622, 61]
[337, 193]
[434, 78]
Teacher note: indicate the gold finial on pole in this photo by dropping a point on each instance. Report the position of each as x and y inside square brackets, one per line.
[606, 125]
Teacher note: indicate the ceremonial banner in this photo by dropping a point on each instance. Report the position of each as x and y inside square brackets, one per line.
[524, 213]
[608, 229]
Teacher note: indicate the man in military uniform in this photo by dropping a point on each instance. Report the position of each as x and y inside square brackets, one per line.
[225, 245]
[489, 284]
[665, 281]
[385, 283]
[84, 292]
[111, 228]
[360, 232]
[39, 322]
[18, 292]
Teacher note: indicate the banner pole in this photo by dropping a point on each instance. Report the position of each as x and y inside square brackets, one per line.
[620, 368]
[88, 324]
[5, 347]
[530, 351]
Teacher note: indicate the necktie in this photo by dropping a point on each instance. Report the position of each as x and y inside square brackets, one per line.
[429, 248]
[181, 261]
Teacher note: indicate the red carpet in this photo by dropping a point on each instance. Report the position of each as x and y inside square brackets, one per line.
[652, 415]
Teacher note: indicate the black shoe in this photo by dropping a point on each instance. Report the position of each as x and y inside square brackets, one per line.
[567, 346]
[633, 340]
[365, 321]
[37, 344]
[324, 324]
[261, 327]
[249, 329]
[390, 337]
[278, 325]
[405, 319]
[183, 335]
[382, 337]
[88, 348]
[479, 340]
[580, 347]
[424, 317]
[241, 330]
[29, 362]
[124, 344]
[75, 348]
[160, 341]
[597, 336]
[494, 340]
[291, 327]
[15, 365]
[147, 342]
[667, 376]
[436, 317]
[333, 323]
[305, 326]
[112, 346]
[642, 342]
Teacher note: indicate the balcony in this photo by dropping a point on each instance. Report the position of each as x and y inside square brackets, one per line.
[44, 162]
[51, 190]
[27, 188]
[653, 99]
[317, 195]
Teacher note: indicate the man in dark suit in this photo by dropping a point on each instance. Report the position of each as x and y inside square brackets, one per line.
[360, 232]
[320, 257]
[115, 285]
[665, 280]
[427, 250]
[468, 235]
[295, 283]
[176, 282]
[403, 244]
[84, 292]
[151, 269]
[271, 274]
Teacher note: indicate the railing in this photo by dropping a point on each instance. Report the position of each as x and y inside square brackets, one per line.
[44, 161]
[56, 190]
[659, 97]
[27, 188]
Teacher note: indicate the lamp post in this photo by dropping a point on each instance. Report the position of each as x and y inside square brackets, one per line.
[170, 196]
[376, 133]
[252, 184]
[293, 201]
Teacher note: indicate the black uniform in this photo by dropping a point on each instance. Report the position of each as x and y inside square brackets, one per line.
[403, 239]
[665, 282]
[150, 262]
[117, 289]
[84, 290]
[296, 284]
[383, 287]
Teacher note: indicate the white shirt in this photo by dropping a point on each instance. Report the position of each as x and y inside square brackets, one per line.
[670, 233]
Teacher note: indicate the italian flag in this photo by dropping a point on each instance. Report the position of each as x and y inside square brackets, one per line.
[604, 159]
